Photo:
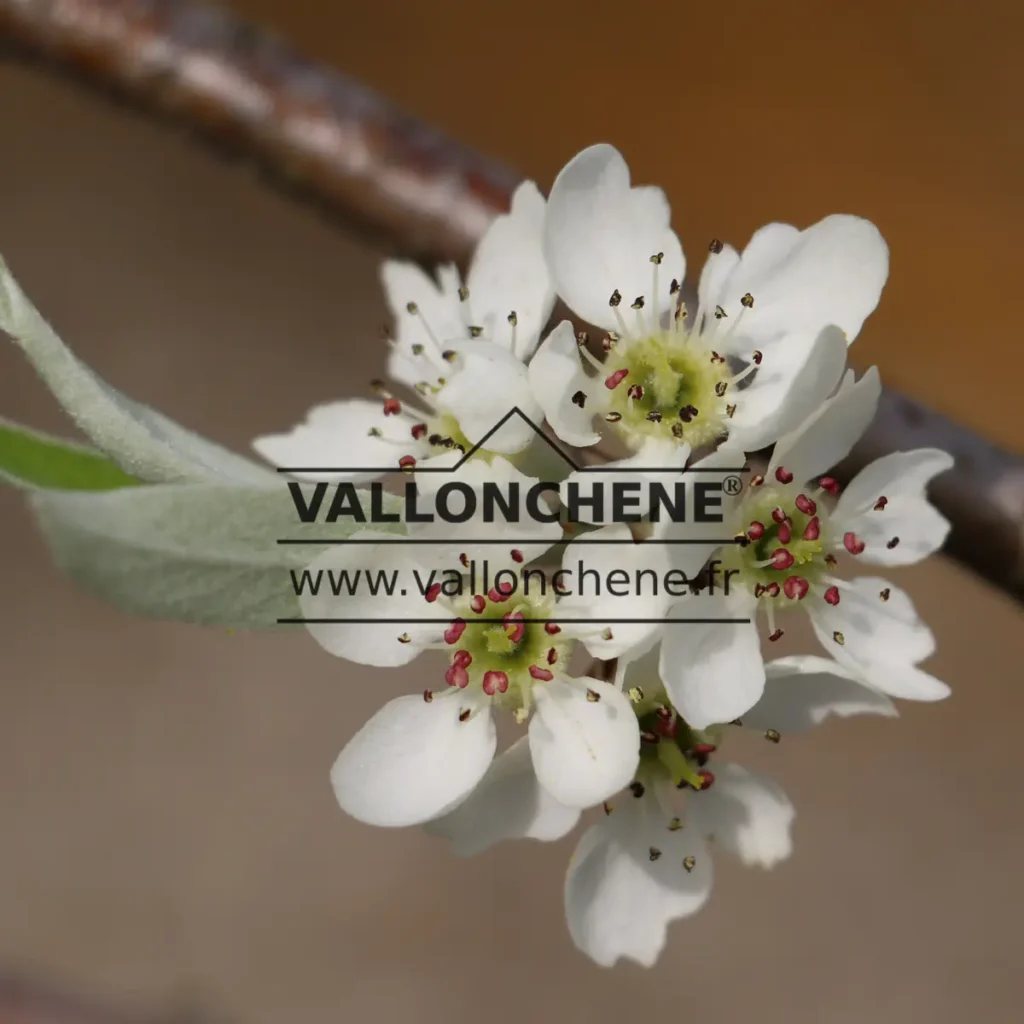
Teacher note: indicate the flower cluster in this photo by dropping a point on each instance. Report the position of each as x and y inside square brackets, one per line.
[665, 377]
[615, 621]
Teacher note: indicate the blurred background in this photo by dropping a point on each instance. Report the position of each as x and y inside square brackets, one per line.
[169, 844]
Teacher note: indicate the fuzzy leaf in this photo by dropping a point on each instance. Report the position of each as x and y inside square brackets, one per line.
[201, 553]
[30, 458]
[143, 442]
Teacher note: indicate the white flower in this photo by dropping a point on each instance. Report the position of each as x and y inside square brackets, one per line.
[461, 348]
[786, 308]
[792, 537]
[648, 861]
[507, 648]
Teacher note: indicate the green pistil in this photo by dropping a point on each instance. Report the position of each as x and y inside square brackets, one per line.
[675, 373]
[808, 555]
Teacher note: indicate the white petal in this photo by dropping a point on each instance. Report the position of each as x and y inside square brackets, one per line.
[337, 435]
[804, 689]
[828, 435]
[618, 902]
[748, 814]
[556, 374]
[901, 478]
[882, 639]
[628, 585]
[630, 476]
[491, 483]
[414, 760]
[508, 803]
[583, 751]
[831, 273]
[600, 234]
[796, 376]
[702, 539]
[713, 672]
[488, 384]
[437, 319]
[354, 569]
[713, 276]
[508, 274]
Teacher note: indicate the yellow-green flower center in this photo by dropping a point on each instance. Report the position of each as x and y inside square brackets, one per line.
[667, 386]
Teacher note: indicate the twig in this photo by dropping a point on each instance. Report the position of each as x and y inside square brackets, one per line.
[407, 188]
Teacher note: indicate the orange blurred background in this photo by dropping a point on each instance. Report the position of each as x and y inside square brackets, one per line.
[170, 841]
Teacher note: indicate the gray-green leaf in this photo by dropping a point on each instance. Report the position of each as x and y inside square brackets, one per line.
[30, 458]
[201, 553]
[143, 442]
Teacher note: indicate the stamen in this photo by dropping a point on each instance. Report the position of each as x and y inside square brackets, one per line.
[392, 407]
[779, 514]
[613, 417]
[883, 595]
[756, 356]
[776, 635]
[428, 696]
[464, 560]
[689, 863]
[747, 302]
[407, 463]
[635, 391]
[593, 696]
[853, 543]
[502, 592]
[637, 789]
[543, 674]
[517, 555]
[515, 628]
[839, 638]
[756, 530]
[881, 503]
[463, 658]
[806, 505]
[892, 543]
[772, 590]
[404, 638]
[478, 603]
[615, 379]
[688, 413]
[419, 430]
[720, 388]
[465, 714]
[495, 682]
[552, 655]
[454, 632]
[579, 399]
[635, 694]
[707, 779]
[654, 416]
[457, 676]
[720, 314]
[832, 596]
[433, 592]
[551, 628]
[675, 824]
[785, 533]
[756, 480]
[608, 341]
[783, 475]
[772, 735]
[830, 559]
[795, 588]
[654, 853]
[830, 484]
[715, 246]
[813, 529]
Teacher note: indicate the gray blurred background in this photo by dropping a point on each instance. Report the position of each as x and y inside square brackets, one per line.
[169, 842]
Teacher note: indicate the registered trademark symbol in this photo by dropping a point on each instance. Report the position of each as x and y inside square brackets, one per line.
[732, 485]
